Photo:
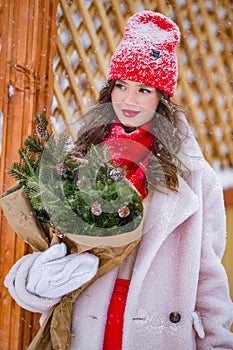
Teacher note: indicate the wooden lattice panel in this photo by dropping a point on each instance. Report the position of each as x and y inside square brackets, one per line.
[206, 66]
[89, 31]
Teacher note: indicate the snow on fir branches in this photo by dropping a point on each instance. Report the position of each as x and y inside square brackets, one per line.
[88, 196]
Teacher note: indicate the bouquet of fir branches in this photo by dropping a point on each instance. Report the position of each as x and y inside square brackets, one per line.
[86, 203]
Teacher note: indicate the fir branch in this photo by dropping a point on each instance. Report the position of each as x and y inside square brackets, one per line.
[23, 154]
[18, 172]
[34, 145]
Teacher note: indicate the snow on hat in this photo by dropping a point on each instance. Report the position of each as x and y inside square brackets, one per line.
[146, 53]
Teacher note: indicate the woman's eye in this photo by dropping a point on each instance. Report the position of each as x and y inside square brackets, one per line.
[145, 91]
[120, 86]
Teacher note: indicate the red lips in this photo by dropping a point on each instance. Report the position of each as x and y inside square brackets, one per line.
[130, 113]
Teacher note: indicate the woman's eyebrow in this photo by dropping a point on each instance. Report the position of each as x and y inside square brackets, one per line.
[141, 85]
[121, 81]
[146, 86]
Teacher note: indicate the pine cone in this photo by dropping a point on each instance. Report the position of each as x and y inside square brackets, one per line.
[41, 131]
[116, 174]
[96, 209]
[123, 211]
[80, 184]
[61, 168]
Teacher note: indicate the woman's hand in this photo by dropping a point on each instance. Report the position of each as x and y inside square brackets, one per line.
[54, 274]
[37, 281]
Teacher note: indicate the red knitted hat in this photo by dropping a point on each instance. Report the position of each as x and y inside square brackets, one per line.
[146, 53]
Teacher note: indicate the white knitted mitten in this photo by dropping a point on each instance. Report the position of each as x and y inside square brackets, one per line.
[54, 274]
[16, 282]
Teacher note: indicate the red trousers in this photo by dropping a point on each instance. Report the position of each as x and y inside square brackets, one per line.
[115, 317]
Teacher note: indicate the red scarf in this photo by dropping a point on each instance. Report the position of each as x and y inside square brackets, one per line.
[132, 151]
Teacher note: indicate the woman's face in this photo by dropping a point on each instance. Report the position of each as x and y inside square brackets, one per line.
[134, 103]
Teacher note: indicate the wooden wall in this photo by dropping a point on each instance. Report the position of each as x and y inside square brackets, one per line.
[28, 44]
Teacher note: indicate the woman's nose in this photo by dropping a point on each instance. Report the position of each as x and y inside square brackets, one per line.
[130, 97]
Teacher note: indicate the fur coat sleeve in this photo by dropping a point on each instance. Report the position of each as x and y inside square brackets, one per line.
[216, 310]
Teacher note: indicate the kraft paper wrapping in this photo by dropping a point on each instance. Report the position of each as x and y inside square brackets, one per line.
[55, 332]
[21, 217]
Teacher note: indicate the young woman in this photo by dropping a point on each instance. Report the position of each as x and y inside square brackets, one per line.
[171, 292]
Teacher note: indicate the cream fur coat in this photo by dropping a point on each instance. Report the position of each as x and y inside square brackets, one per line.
[178, 269]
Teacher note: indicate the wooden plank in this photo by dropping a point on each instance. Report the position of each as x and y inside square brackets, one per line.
[228, 197]
[119, 18]
[71, 76]
[227, 258]
[24, 27]
[6, 242]
[106, 28]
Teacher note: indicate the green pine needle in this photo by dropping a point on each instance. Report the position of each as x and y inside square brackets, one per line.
[34, 145]
[41, 118]
[18, 172]
[27, 161]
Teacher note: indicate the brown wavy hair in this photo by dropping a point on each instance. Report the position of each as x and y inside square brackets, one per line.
[164, 166]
